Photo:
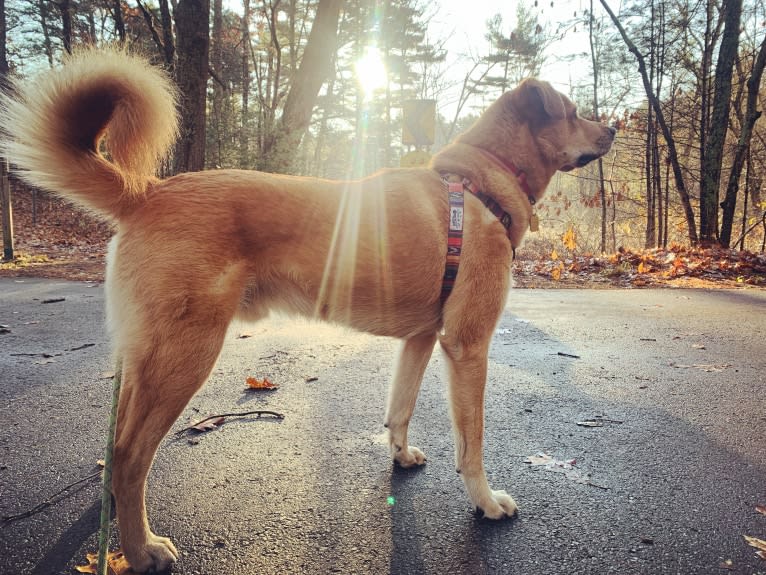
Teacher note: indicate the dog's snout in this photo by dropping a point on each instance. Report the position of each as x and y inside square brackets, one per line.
[612, 130]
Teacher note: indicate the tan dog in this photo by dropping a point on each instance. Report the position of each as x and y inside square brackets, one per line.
[194, 251]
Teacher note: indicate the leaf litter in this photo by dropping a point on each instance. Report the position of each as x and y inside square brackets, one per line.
[115, 560]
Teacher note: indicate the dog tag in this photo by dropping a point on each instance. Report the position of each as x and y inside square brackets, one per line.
[534, 223]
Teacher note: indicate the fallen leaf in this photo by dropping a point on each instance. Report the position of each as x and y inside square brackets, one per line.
[539, 459]
[265, 384]
[556, 272]
[244, 335]
[115, 560]
[570, 239]
[761, 509]
[106, 375]
[728, 564]
[208, 425]
[759, 544]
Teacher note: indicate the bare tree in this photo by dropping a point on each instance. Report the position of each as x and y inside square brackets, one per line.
[279, 147]
[654, 102]
[743, 144]
[719, 121]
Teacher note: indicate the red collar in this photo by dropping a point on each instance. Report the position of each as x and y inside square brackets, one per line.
[520, 174]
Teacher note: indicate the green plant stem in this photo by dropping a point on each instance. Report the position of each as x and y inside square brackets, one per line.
[106, 492]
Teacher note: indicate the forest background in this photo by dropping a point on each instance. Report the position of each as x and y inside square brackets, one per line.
[318, 88]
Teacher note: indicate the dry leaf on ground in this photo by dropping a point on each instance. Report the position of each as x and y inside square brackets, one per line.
[116, 561]
[758, 544]
[265, 384]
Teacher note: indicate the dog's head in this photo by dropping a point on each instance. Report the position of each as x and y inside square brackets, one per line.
[565, 140]
[537, 128]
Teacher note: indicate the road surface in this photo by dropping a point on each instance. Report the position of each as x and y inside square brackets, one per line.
[644, 412]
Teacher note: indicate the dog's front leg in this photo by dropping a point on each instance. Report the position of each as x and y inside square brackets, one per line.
[403, 394]
[467, 378]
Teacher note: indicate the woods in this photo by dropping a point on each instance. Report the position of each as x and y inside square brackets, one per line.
[275, 85]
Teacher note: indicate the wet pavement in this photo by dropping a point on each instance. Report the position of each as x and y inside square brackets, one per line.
[645, 408]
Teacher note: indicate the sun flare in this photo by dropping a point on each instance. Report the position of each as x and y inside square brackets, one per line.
[371, 71]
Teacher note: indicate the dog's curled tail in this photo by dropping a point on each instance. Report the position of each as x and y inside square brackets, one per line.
[55, 127]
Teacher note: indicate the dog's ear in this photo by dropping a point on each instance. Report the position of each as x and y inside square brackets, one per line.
[537, 101]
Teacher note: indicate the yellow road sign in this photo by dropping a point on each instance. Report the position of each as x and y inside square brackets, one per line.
[419, 122]
[415, 159]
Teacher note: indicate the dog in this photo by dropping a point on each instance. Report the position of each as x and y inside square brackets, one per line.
[194, 251]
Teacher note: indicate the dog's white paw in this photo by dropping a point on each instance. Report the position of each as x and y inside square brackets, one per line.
[408, 456]
[499, 506]
[157, 554]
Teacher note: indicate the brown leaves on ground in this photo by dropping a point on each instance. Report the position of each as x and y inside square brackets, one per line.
[676, 266]
[117, 564]
[54, 239]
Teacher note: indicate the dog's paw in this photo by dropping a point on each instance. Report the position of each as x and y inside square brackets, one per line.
[157, 554]
[499, 506]
[409, 456]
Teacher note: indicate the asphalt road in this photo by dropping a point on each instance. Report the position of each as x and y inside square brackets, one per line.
[665, 480]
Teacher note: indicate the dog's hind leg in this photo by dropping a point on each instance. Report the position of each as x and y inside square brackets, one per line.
[467, 378]
[162, 370]
[403, 394]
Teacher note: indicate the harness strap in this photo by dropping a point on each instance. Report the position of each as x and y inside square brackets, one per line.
[454, 237]
[455, 231]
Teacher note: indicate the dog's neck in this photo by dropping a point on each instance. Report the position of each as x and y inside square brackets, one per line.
[457, 158]
[521, 175]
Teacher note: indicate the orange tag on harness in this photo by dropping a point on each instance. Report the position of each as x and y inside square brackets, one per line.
[534, 223]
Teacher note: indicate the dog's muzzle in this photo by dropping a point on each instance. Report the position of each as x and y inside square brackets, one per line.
[603, 143]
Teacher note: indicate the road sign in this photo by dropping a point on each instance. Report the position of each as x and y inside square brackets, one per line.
[415, 159]
[419, 122]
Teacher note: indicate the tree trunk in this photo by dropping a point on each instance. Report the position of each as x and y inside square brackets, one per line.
[216, 63]
[65, 6]
[47, 44]
[596, 116]
[280, 146]
[119, 23]
[719, 121]
[244, 132]
[5, 187]
[192, 22]
[168, 44]
[149, 19]
[655, 103]
[751, 117]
